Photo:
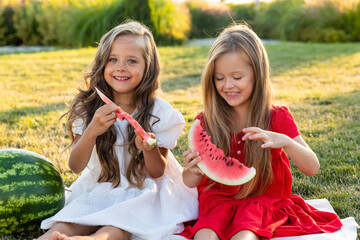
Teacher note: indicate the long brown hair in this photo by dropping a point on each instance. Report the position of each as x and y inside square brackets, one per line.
[218, 113]
[86, 102]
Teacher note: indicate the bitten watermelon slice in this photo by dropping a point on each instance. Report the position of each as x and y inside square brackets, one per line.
[123, 115]
[214, 163]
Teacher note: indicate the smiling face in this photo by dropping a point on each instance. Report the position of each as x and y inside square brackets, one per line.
[125, 67]
[234, 79]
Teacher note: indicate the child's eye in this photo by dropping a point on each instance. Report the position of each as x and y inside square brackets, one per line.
[237, 78]
[131, 61]
[112, 59]
[218, 78]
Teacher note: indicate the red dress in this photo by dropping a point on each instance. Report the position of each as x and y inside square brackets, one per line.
[276, 213]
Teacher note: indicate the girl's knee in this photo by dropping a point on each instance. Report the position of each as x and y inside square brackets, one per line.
[206, 233]
[245, 235]
[113, 232]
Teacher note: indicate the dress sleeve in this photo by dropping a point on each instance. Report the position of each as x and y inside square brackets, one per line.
[167, 125]
[283, 122]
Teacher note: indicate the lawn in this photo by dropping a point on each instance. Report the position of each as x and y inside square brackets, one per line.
[320, 83]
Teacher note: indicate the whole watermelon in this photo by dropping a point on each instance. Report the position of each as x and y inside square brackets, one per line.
[30, 190]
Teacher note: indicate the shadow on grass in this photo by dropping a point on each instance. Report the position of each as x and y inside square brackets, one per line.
[286, 56]
[13, 115]
[183, 82]
[335, 138]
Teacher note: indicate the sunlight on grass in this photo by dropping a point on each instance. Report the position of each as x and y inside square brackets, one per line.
[320, 83]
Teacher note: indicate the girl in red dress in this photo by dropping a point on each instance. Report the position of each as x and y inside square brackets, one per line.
[239, 117]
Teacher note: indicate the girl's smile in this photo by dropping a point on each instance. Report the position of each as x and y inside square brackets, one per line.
[121, 78]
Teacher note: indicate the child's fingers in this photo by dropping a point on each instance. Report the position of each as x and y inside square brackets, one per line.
[147, 146]
[186, 153]
[193, 163]
[152, 135]
[191, 156]
[266, 145]
[252, 129]
[258, 136]
[246, 136]
[249, 131]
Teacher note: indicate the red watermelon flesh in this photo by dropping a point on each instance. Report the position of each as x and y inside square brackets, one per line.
[214, 163]
[123, 115]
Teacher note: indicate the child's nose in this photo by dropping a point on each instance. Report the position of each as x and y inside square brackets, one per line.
[229, 83]
[121, 67]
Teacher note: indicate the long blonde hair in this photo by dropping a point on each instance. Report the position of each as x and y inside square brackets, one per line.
[218, 113]
[87, 101]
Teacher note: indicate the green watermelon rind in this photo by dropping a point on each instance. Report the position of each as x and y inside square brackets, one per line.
[202, 165]
[30, 190]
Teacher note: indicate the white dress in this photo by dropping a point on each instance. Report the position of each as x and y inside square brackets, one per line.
[154, 212]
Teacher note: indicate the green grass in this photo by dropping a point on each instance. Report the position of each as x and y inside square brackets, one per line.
[320, 83]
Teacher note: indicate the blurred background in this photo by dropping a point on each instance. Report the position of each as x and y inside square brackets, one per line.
[81, 23]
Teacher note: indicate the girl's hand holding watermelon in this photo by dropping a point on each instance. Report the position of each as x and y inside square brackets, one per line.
[102, 119]
[154, 157]
[142, 144]
[192, 174]
[84, 144]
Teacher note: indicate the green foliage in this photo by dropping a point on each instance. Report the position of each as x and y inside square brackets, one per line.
[352, 22]
[138, 10]
[270, 15]
[321, 23]
[208, 19]
[88, 21]
[75, 23]
[243, 12]
[3, 28]
[306, 21]
[51, 21]
[26, 24]
[171, 22]
[7, 30]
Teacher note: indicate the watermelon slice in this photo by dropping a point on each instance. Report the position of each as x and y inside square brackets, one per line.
[214, 163]
[123, 115]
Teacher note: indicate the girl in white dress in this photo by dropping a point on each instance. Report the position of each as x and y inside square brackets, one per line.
[128, 189]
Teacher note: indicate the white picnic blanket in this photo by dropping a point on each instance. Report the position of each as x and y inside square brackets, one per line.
[347, 232]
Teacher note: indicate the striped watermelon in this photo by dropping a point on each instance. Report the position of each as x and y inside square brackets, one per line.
[30, 190]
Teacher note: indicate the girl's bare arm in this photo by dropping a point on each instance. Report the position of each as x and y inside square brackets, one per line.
[154, 156]
[84, 144]
[297, 149]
